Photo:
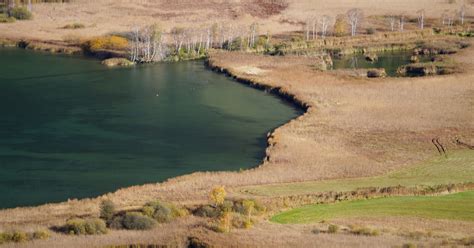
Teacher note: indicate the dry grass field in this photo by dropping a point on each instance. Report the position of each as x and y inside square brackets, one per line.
[111, 16]
[354, 127]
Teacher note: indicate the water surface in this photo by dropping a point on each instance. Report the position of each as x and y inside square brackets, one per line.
[390, 61]
[71, 128]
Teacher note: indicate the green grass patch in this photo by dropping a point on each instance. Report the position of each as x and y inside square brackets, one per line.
[458, 206]
[457, 168]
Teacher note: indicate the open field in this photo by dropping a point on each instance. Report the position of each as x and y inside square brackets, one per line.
[112, 16]
[458, 206]
[458, 167]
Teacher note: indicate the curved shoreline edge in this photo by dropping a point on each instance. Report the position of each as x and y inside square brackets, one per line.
[275, 91]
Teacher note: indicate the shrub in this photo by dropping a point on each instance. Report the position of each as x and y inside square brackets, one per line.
[20, 13]
[78, 226]
[116, 222]
[41, 234]
[177, 212]
[106, 43]
[409, 245]
[207, 211]
[19, 237]
[217, 195]
[238, 221]
[340, 27]
[107, 210]
[163, 212]
[468, 241]
[364, 231]
[74, 26]
[224, 223]
[6, 19]
[371, 31]
[333, 229]
[137, 221]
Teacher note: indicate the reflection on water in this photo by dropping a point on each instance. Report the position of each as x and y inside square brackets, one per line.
[390, 61]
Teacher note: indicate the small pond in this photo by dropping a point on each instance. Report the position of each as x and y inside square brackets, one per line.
[390, 61]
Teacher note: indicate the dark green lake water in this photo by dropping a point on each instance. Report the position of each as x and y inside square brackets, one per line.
[390, 61]
[71, 128]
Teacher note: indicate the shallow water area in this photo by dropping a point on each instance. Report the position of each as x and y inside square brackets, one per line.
[390, 61]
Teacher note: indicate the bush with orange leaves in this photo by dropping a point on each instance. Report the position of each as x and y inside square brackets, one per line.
[106, 43]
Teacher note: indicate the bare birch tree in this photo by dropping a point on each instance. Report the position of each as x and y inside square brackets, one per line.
[401, 22]
[444, 18]
[392, 20]
[307, 29]
[325, 21]
[462, 13]
[354, 17]
[421, 18]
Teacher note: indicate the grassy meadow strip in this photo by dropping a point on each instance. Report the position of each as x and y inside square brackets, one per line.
[459, 206]
[458, 167]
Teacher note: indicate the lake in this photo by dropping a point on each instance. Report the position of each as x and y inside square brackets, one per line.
[72, 128]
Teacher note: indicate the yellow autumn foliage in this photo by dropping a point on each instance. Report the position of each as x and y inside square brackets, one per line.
[107, 43]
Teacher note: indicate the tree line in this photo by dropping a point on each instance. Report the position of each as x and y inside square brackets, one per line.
[315, 27]
[152, 43]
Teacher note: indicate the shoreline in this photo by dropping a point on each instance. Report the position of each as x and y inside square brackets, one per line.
[278, 92]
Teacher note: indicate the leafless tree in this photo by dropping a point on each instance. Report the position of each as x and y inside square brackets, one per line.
[307, 28]
[354, 17]
[314, 28]
[450, 20]
[325, 22]
[30, 7]
[401, 22]
[444, 18]
[178, 35]
[462, 13]
[147, 44]
[392, 20]
[10, 4]
[421, 18]
[254, 29]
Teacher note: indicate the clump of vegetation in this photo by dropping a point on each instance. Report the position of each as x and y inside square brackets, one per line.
[468, 241]
[371, 31]
[137, 221]
[333, 228]
[340, 27]
[20, 13]
[20, 237]
[79, 226]
[74, 26]
[229, 214]
[163, 212]
[428, 69]
[218, 195]
[408, 245]
[207, 211]
[6, 19]
[365, 231]
[107, 211]
[106, 43]
[41, 234]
